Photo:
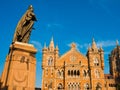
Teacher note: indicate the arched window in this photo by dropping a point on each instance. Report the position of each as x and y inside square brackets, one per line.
[78, 72]
[97, 74]
[58, 73]
[98, 87]
[62, 73]
[84, 73]
[50, 86]
[96, 62]
[45, 85]
[50, 61]
[71, 72]
[60, 86]
[68, 72]
[86, 86]
[88, 73]
[75, 73]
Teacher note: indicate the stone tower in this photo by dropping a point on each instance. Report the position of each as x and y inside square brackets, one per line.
[96, 66]
[50, 55]
[114, 61]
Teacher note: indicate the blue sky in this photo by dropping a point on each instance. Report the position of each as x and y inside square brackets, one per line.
[67, 21]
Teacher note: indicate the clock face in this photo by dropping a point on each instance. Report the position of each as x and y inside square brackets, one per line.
[72, 58]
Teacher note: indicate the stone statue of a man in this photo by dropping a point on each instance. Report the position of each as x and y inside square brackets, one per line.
[24, 27]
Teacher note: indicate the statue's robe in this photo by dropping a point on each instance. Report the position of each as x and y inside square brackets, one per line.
[24, 27]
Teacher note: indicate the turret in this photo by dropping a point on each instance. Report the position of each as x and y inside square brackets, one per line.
[95, 63]
[95, 53]
[56, 52]
[44, 53]
[114, 61]
[101, 56]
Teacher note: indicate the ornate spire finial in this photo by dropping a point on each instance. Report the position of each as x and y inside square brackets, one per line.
[101, 49]
[57, 47]
[73, 45]
[51, 46]
[94, 46]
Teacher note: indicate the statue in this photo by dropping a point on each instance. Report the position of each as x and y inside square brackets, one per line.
[24, 27]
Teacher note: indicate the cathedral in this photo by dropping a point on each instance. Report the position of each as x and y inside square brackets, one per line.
[75, 71]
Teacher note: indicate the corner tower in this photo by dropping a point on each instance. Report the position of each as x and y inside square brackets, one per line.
[50, 55]
[114, 61]
[96, 66]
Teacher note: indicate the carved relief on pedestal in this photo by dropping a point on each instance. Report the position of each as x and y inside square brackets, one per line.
[20, 78]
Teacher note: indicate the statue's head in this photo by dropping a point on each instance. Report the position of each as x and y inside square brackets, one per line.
[30, 8]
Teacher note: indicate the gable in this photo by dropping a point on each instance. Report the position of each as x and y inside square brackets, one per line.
[72, 57]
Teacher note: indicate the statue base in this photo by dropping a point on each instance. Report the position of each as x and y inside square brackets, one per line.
[20, 68]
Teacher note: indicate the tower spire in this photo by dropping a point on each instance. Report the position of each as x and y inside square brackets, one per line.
[51, 46]
[94, 46]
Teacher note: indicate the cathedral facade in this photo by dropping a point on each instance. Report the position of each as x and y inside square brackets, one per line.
[75, 71]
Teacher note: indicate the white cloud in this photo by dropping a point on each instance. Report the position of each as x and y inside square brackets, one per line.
[104, 44]
[107, 43]
[37, 45]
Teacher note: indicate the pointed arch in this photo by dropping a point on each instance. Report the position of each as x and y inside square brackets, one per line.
[62, 73]
[96, 62]
[86, 86]
[50, 61]
[58, 73]
[97, 73]
[71, 72]
[98, 86]
[68, 72]
[75, 73]
[78, 73]
[84, 73]
[60, 86]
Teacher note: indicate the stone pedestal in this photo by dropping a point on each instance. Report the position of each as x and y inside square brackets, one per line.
[20, 68]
